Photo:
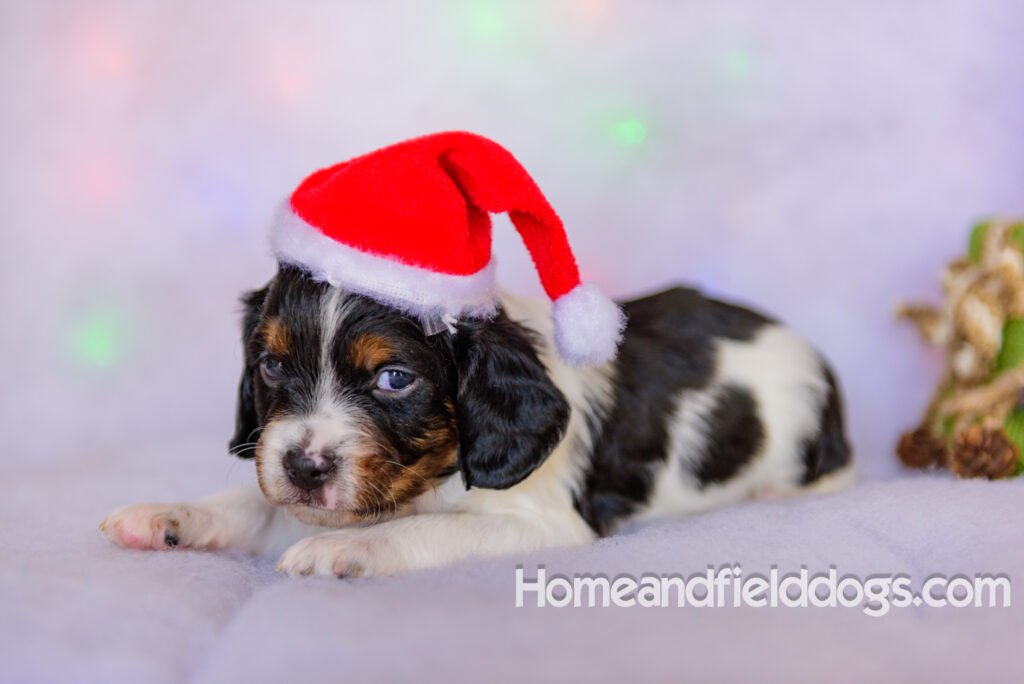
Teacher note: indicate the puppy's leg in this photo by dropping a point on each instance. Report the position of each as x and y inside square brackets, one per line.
[240, 519]
[426, 541]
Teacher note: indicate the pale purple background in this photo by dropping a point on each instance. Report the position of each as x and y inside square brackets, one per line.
[820, 159]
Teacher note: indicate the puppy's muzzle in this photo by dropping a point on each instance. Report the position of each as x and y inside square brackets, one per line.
[307, 471]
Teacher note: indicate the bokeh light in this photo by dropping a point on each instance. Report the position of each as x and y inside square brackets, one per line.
[738, 65]
[486, 20]
[98, 337]
[594, 10]
[628, 131]
[100, 52]
[99, 181]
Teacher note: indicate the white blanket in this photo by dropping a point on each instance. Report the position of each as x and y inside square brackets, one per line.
[75, 608]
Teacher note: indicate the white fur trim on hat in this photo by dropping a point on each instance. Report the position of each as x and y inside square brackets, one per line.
[588, 325]
[412, 289]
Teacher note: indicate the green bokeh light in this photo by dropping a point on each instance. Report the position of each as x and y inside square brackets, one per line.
[98, 339]
[486, 20]
[738, 65]
[628, 131]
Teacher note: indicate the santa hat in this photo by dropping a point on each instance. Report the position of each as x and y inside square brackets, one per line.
[408, 225]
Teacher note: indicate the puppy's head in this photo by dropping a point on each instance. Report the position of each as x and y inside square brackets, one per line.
[351, 410]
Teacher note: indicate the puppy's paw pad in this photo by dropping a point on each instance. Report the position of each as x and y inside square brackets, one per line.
[147, 526]
[345, 568]
[342, 554]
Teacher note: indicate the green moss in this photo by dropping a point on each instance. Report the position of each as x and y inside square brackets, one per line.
[977, 238]
[1011, 354]
[1014, 426]
[947, 426]
[1017, 234]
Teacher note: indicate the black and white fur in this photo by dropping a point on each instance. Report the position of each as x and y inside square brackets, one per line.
[497, 446]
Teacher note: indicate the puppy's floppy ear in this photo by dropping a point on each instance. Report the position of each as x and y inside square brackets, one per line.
[246, 419]
[509, 413]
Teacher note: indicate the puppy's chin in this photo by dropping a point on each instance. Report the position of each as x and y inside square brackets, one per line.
[322, 516]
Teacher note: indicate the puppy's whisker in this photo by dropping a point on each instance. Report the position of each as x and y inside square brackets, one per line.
[249, 444]
[231, 469]
[381, 493]
[405, 467]
[391, 495]
[393, 460]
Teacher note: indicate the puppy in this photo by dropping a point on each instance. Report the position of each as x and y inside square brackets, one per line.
[424, 449]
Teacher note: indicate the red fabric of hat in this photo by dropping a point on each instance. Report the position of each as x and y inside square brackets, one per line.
[408, 225]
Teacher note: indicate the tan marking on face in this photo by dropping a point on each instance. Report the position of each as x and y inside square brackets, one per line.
[267, 486]
[387, 483]
[369, 351]
[277, 338]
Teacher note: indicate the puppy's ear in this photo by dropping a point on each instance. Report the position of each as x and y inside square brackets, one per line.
[509, 413]
[246, 419]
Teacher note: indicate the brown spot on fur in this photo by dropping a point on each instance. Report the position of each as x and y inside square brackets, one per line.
[387, 483]
[440, 434]
[277, 338]
[369, 351]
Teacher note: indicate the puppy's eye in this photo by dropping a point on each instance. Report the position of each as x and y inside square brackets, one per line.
[271, 371]
[395, 380]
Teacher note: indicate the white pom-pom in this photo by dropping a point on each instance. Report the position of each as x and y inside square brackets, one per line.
[588, 326]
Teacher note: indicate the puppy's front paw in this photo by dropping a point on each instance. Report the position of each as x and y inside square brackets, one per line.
[347, 553]
[147, 526]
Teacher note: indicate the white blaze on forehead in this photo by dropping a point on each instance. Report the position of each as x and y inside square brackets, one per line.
[330, 427]
[333, 309]
[331, 420]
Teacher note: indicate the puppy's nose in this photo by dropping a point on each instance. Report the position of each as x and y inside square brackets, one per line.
[304, 472]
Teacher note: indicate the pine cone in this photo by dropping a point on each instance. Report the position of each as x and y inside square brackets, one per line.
[984, 452]
[921, 449]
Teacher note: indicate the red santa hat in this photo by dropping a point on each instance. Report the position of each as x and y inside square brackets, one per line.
[408, 225]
